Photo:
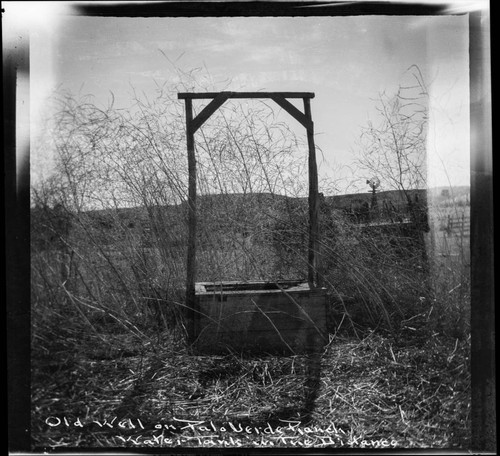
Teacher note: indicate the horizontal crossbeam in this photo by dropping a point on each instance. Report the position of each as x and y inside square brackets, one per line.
[205, 95]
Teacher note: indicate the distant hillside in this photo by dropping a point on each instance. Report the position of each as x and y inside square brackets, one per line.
[251, 201]
[229, 212]
[396, 197]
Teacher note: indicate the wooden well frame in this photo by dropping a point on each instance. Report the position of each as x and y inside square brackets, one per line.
[193, 123]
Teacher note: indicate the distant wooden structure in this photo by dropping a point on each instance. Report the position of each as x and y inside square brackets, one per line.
[458, 225]
[221, 316]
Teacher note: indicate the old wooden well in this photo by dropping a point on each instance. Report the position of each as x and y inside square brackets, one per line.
[282, 316]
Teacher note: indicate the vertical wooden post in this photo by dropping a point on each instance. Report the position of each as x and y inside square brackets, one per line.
[312, 275]
[191, 250]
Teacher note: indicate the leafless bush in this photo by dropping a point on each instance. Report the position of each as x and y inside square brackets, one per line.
[109, 226]
[110, 223]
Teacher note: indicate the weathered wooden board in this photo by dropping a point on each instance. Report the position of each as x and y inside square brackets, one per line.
[248, 317]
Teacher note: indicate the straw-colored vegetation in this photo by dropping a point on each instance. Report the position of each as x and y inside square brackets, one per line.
[110, 366]
[371, 390]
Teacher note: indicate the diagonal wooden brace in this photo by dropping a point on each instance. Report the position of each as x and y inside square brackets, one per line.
[208, 110]
[293, 111]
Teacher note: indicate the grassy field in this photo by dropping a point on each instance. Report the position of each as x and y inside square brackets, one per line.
[111, 370]
[109, 237]
[117, 391]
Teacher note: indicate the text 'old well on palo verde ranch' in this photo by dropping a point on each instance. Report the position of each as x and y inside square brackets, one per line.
[182, 432]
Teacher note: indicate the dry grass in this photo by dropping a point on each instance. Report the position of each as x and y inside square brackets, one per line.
[103, 364]
[106, 373]
[355, 394]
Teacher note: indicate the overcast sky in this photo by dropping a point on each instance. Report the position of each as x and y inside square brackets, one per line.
[346, 61]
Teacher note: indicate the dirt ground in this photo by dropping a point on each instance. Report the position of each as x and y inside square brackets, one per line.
[115, 391]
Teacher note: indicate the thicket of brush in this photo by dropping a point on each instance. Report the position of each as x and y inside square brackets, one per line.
[377, 278]
[102, 273]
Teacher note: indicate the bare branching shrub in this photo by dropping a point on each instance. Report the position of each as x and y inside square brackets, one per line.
[411, 270]
[109, 225]
[119, 186]
[393, 147]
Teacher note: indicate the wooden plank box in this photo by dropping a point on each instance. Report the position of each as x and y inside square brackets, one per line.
[259, 317]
